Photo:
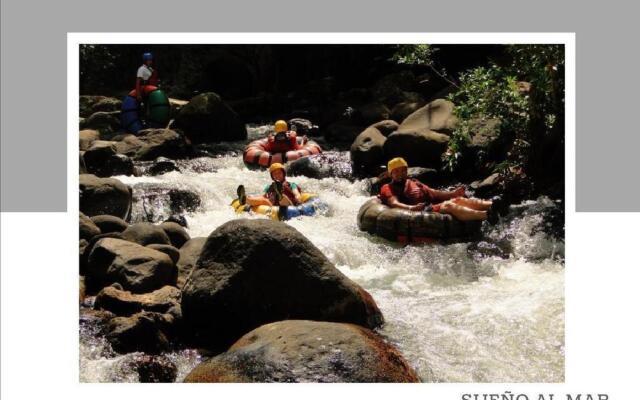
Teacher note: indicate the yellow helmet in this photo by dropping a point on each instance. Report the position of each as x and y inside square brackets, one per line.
[281, 126]
[396, 163]
[275, 166]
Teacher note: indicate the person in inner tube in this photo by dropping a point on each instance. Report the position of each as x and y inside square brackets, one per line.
[413, 195]
[283, 139]
[280, 192]
[146, 75]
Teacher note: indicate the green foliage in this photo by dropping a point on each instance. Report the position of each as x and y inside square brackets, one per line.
[494, 91]
[414, 54]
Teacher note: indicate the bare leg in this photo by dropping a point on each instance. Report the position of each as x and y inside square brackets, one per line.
[463, 213]
[474, 204]
[258, 201]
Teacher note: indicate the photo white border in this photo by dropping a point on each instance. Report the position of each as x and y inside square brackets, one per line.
[40, 338]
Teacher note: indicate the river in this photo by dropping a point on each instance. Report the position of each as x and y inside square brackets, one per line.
[457, 315]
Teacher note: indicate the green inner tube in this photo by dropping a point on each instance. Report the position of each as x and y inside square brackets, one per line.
[394, 223]
[159, 109]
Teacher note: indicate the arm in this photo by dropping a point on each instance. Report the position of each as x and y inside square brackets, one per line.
[395, 203]
[442, 195]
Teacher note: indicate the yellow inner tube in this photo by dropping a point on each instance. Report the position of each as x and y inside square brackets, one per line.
[270, 211]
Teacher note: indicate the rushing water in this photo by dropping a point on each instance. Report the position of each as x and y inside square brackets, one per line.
[457, 315]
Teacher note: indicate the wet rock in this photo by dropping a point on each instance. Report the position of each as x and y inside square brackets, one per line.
[109, 223]
[167, 249]
[428, 176]
[298, 282]
[307, 351]
[208, 119]
[101, 160]
[178, 219]
[367, 153]
[162, 165]
[160, 143]
[125, 303]
[105, 122]
[145, 233]
[100, 196]
[139, 332]
[87, 137]
[176, 105]
[85, 248]
[189, 253]
[87, 228]
[184, 200]
[329, 164]
[176, 233]
[488, 187]
[154, 369]
[490, 248]
[95, 318]
[303, 127]
[137, 268]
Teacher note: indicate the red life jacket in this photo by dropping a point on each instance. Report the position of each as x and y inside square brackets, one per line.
[411, 193]
[291, 143]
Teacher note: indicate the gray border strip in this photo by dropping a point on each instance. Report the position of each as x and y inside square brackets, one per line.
[33, 108]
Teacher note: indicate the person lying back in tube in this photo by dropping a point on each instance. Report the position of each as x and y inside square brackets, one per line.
[283, 139]
[413, 195]
[279, 193]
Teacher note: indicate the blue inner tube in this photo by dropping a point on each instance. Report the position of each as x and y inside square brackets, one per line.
[307, 209]
[129, 116]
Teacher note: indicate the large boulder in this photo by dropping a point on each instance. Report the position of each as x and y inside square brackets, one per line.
[122, 302]
[330, 164]
[137, 268]
[189, 253]
[176, 233]
[367, 152]
[102, 160]
[307, 351]
[87, 228]
[145, 233]
[208, 119]
[422, 137]
[251, 272]
[109, 223]
[87, 137]
[100, 196]
[149, 144]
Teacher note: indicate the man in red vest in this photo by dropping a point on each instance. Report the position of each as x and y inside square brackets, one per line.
[412, 195]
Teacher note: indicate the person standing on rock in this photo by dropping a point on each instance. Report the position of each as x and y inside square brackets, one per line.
[413, 195]
[145, 76]
[283, 139]
[280, 192]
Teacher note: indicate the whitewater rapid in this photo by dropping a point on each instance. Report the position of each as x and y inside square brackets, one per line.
[456, 316]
